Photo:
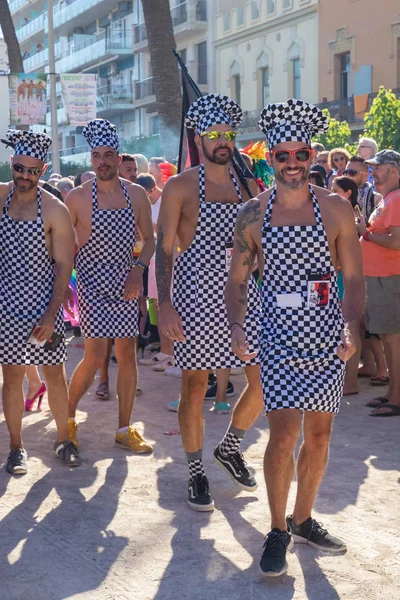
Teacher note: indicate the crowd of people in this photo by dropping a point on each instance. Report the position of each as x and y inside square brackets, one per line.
[265, 280]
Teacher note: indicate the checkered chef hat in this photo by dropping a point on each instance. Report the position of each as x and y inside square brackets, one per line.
[213, 109]
[100, 132]
[292, 121]
[29, 143]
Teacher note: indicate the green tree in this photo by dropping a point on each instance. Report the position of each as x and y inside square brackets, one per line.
[5, 172]
[337, 136]
[382, 122]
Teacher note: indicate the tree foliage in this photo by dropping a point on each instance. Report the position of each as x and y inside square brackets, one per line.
[382, 122]
[149, 145]
[5, 172]
[337, 136]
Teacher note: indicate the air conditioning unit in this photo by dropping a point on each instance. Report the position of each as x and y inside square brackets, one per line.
[112, 69]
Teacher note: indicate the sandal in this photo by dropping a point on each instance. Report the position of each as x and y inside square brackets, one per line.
[376, 402]
[394, 411]
[378, 381]
[102, 392]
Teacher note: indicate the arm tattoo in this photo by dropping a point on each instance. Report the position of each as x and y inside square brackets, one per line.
[250, 214]
[163, 270]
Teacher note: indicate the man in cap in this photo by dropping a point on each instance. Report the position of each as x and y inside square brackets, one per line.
[108, 213]
[300, 233]
[36, 257]
[380, 246]
[199, 207]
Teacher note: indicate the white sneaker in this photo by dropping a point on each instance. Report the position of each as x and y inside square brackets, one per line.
[174, 405]
[153, 360]
[165, 364]
[173, 372]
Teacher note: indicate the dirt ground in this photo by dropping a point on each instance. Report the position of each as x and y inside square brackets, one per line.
[119, 527]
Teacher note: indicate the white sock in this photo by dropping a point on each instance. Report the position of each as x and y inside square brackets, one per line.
[123, 430]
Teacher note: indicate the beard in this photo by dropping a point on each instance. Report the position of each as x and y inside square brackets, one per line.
[23, 185]
[215, 158]
[107, 175]
[292, 184]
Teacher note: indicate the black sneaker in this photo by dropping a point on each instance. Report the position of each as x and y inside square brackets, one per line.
[199, 494]
[311, 532]
[273, 561]
[68, 453]
[236, 467]
[211, 393]
[16, 462]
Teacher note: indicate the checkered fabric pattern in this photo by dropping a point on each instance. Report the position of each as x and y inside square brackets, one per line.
[27, 277]
[292, 121]
[100, 132]
[213, 109]
[200, 276]
[299, 365]
[196, 468]
[102, 266]
[230, 444]
[29, 143]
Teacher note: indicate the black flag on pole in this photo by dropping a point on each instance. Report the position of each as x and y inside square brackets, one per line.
[188, 152]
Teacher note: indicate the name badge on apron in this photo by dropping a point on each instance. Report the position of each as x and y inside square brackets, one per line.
[318, 292]
[228, 254]
[289, 300]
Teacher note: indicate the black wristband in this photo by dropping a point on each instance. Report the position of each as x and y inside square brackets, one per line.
[232, 325]
[141, 264]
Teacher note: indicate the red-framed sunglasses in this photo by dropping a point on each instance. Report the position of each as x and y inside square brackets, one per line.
[302, 155]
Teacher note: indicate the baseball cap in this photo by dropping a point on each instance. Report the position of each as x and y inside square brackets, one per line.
[390, 157]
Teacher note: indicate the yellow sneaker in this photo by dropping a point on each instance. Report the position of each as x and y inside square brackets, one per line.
[72, 429]
[133, 441]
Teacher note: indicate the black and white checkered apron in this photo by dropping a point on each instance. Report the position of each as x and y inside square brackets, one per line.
[299, 365]
[26, 284]
[200, 276]
[102, 266]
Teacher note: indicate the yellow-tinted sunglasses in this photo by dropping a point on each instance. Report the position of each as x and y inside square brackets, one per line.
[230, 136]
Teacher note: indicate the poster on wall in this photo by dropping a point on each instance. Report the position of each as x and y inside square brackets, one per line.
[79, 93]
[28, 101]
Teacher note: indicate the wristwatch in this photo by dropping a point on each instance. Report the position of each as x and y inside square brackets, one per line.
[141, 264]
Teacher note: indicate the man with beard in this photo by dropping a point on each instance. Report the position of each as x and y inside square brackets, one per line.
[299, 234]
[106, 213]
[199, 207]
[128, 167]
[36, 257]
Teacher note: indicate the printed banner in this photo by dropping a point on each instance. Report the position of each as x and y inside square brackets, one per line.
[28, 101]
[79, 93]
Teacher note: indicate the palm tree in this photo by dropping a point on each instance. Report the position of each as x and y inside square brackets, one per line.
[160, 33]
[10, 38]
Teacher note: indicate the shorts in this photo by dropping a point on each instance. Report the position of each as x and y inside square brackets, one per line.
[382, 314]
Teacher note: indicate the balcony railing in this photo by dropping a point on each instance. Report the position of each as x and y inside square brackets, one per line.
[140, 33]
[36, 60]
[15, 5]
[69, 9]
[93, 48]
[344, 110]
[144, 88]
[179, 14]
[119, 97]
[34, 26]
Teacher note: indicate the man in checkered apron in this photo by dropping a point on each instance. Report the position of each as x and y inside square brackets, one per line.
[105, 213]
[36, 257]
[199, 207]
[300, 233]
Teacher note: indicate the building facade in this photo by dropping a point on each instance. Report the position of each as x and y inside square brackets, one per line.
[359, 50]
[266, 51]
[108, 37]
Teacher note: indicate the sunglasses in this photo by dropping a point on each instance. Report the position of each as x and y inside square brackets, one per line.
[322, 162]
[230, 136]
[31, 170]
[339, 158]
[351, 172]
[282, 156]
